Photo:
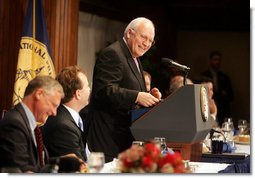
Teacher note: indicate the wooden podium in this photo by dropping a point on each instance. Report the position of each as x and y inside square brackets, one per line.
[189, 151]
[182, 118]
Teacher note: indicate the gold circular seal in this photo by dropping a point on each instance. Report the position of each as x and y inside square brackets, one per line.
[204, 105]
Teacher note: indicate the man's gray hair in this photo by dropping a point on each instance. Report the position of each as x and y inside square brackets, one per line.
[48, 83]
[136, 22]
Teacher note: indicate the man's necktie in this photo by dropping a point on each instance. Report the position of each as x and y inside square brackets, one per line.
[80, 124]
[39, 141]
[137, 64]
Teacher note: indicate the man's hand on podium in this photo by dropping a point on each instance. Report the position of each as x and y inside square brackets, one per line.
[156, 93]
[146, 99]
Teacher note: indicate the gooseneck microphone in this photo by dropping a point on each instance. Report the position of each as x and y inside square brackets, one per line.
[172, 63]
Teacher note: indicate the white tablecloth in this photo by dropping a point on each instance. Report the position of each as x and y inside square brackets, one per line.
[197, 167]
[243, 149]
[201, 167]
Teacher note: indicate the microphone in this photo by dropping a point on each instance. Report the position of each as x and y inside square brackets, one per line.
[170, 62]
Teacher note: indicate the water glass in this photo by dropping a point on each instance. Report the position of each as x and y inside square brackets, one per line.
[96, 162]
[186, 163]
[228, 129]
[228, 124]
[242, 126]
[228, 119]
[162, 142]
[138, 143]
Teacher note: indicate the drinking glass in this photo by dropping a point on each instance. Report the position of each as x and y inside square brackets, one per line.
[138, 143]
[162, 142]
[228, 119]
[228, 129]
[242, 126]
[96, 162]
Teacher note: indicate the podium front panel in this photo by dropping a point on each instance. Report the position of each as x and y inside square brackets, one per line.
[178, 118]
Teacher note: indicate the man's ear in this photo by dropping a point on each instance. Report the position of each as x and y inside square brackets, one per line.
[77, 94]
[129, 33]
[38, 93]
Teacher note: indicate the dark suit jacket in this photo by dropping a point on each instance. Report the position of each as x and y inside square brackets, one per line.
[61, 135]
[17, 148]
[116, 83]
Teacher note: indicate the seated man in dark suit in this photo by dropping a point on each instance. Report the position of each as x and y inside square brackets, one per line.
[18, 141]
[64, 133]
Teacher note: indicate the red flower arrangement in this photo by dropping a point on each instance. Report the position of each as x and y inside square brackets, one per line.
[147, 159]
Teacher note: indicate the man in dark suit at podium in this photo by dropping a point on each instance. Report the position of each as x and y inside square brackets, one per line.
[118, 86]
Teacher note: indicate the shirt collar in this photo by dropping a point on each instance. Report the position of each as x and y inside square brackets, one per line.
[127, 46]
[75, 115]
[30, 116]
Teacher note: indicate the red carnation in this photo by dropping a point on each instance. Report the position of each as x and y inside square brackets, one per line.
[149, 159]
[173, 158]
[162, 161]
[146, 162]
[152, 150]
[127, 162]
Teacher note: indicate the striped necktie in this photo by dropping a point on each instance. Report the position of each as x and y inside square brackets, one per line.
[39, 141]
[80, 124]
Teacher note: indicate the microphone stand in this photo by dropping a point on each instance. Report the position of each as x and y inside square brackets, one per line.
[185, 69]
[185, 78]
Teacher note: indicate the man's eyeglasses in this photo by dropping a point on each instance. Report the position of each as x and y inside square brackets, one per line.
[144, 37]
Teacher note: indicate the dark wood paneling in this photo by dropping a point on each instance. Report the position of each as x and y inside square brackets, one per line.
[62, 23]
[11, 22]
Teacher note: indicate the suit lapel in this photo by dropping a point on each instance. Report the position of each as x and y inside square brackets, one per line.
[135, 71]
[68, 115]
[25, 119]
[142, 77]
[132, 65]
